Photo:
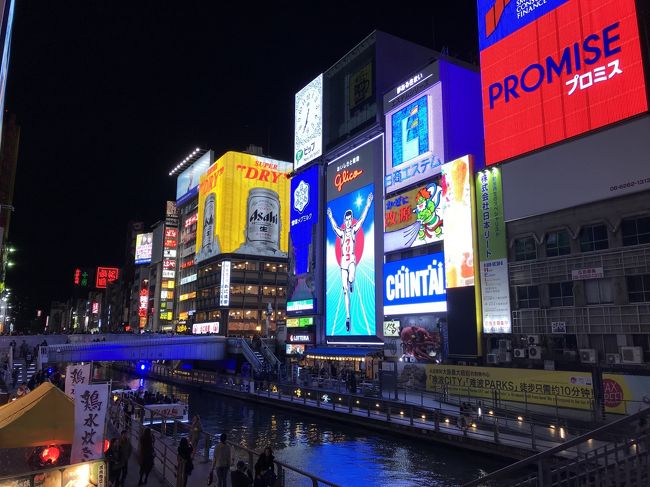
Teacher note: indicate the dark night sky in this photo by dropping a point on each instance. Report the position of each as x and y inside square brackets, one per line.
[111, 95]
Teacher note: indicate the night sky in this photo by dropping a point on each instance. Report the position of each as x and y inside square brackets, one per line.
[110, 95]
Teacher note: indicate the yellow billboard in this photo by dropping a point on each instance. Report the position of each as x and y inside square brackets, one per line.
[243, 207]
[572, 389]
[626, 394]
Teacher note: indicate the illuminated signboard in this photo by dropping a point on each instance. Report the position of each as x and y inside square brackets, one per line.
[308, 133]
[143, 248]
[81, 277]
[415, 285]
[292, 349]
[300, 322]
[350, 241]
[302, 229]
[105, 275]
[413, 218]
[204, 328]
[143, 302]
[224, 291]
[243, 207]
[95, 309]
[414, 131]
[188, 279]
[303, 305]
[556, 69]
[186, 296]
[456, 206]
[300, 337]
[188, 181]
[191, 220]
[391, 328]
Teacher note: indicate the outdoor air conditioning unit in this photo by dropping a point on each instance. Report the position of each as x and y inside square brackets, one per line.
[504, 345]
[613, 358]
[588, 356]
[532, 339]
[492, 358]
[535, 352]
[631, 355]
[520, 353]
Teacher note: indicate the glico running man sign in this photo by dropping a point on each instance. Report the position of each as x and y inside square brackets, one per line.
[555, 69]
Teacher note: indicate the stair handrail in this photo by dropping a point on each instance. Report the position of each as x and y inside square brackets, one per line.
[250, 355]
[270, 356]
[614, 425]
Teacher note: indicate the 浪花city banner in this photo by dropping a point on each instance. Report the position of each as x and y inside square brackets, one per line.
[303, 226]
[556, 69]
[493, 253]
[552, 388]
[415, 285]
[414, 131]
[187, 182]
[414, 217]
[243, 207]
[350, 242]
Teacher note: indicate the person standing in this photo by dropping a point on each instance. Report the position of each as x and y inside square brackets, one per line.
[265, 469]
[145, 455]
[195, 432]
[221, 461]
[242, 476]
[185, 465]
[113, 457]
[125, 451]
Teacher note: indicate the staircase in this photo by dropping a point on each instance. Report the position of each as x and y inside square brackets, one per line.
[25, 370]
[617, 454]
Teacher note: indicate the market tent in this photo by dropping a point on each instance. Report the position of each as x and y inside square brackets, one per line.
[44, 416]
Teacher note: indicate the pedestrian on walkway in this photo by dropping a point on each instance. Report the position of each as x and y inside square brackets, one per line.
[265, 469]
[113, 457]
[221, 461]
[195, 432]
[125, 455]
[185, 465]
[242, 476]
[146, 455]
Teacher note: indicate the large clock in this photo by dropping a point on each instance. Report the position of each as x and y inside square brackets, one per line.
[308, 114]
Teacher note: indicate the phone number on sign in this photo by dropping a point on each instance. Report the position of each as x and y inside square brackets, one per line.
[629, 184]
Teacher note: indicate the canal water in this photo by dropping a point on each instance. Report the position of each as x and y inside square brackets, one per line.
[337, 452]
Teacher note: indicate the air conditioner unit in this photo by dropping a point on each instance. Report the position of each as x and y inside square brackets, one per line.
[532, 339]
[568, 354]
[492, 358]
[588, 356]
[535, 352]
[520, 353]
[613, 358]
[504, 357]
[504, 345]
[631, 355]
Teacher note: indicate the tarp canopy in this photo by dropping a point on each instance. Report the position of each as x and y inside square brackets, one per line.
[45, 416]
[340, 352]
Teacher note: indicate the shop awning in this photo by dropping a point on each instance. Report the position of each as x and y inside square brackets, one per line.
[41, 417]
[340, 353]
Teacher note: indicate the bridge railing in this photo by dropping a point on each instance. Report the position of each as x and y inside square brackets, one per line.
[170, 432]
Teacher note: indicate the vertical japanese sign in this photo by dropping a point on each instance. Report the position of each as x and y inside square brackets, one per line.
[90, 405]
[75, 376]
[495, 293]
[106, 275]
[224, 294]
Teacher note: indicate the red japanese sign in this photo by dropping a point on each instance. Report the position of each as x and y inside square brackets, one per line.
[105, 275]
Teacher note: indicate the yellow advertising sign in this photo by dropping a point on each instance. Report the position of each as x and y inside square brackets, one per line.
[244, 207]
[572, 389]
[626, 394]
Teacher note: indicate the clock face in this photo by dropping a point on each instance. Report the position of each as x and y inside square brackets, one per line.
[308, 114]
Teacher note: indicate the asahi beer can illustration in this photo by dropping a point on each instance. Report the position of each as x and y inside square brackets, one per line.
[262, 223]
[209, 244]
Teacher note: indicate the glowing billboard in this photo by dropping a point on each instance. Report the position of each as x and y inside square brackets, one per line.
[414, 217]
[556, 69]
[308, 132]
[143, 248]
[414, 138]
[188, 181]
[350, 242]
[105, 275]
[243, 207]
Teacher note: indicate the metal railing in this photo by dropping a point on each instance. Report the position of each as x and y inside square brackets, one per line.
[269, 356]
[250, 355]
[169, 433]
[616, 454]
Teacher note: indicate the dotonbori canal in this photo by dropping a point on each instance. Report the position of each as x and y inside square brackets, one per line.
[338, 452]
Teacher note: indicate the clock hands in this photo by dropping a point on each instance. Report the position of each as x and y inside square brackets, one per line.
[306, 120]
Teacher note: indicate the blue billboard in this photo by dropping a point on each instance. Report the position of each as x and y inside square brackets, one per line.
[415, 285]
[304, 215]
[187, 183]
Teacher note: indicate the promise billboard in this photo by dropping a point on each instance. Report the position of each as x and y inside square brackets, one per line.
[556, 69]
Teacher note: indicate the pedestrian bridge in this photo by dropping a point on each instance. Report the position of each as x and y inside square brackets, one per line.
[138, 348]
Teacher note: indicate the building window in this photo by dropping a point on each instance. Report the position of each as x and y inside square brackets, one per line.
[528, 296]
[638, 288]
[525, 249]
[561, 294]
[557, 243]
[598, 291]
[636, 231]
[593, 237]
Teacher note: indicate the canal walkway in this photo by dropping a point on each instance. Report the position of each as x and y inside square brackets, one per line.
[484, 431]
